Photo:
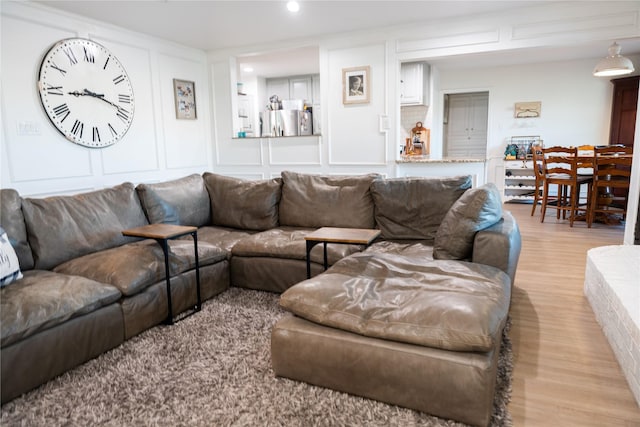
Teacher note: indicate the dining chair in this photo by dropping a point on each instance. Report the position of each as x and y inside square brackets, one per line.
[611, 170]
[538, 173]
[560, 167]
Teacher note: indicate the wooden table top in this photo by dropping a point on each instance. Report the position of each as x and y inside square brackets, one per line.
[159, 231]
[359, 236]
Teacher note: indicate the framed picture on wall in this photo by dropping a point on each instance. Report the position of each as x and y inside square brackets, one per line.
[184, 93]
[526, 110]
[356, 83]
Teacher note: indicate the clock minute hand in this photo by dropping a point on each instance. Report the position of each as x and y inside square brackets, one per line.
[100, 96]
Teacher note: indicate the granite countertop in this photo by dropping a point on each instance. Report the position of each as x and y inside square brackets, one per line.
[429, 159]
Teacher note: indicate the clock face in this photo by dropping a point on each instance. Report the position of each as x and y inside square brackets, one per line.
[86, 92]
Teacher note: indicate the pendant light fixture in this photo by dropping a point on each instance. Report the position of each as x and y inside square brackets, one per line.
[614, 64]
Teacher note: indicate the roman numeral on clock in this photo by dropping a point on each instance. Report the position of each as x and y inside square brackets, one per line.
[96, 135]
[77, 128]
[119, 79]
[125, 99]
[88, 56]
[54, 90]
[70, 55]
[112, 130]
[123, 114]
[62, 110]
[55, 67]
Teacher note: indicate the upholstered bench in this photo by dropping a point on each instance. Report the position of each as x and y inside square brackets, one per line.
[422, 334]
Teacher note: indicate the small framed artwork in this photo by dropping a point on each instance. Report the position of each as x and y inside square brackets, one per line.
[184, 93]
[525, 110]
[356, 82]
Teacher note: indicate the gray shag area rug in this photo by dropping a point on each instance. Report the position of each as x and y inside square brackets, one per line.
[212, 369]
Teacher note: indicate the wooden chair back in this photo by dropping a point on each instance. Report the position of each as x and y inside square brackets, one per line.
[612, 166]
[561, 169]
[611, 170]
[559, 162]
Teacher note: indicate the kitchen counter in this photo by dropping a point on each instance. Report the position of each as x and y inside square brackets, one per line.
[429, 159]
[442, 166]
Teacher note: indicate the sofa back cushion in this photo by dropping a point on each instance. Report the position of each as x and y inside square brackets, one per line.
[413, 208]
[475, 210]
[326, 201]
[61, 228]
[182, 201]
[12, 221]
[243, 204]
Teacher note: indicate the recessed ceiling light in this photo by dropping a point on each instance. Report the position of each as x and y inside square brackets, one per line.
[293, 6]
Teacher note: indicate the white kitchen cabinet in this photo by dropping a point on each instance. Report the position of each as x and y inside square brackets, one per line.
[519, 181]
[279, 86]
[315, 89]
[414, 83]
[301, 88]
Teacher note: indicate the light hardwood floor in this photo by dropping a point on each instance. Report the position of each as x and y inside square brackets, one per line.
[565, 373]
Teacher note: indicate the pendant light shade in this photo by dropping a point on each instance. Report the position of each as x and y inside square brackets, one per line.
[614, 64]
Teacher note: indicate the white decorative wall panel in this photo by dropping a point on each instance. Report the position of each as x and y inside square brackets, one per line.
[576, 25]
[468, 37]
[354, 129]
[44, 153]
[138, 149]
[184, 140]
[295, 151]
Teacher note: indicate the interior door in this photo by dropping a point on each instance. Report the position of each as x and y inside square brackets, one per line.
[466, 129]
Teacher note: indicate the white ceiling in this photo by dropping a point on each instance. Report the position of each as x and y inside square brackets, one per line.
[210, 25]
[213, 25]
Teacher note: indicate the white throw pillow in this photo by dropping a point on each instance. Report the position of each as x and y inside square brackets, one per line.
[9, 265]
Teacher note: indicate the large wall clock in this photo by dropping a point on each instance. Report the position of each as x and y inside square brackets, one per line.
[86, 92]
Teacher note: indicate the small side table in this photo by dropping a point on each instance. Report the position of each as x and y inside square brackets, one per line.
[162, 233]
[347, 236]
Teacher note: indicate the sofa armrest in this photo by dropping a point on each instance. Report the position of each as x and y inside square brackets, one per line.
[499, 245]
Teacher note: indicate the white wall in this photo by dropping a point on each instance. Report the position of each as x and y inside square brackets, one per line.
[156, 147]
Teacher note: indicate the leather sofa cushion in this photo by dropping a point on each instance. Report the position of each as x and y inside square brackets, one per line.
[183, 201]
[12, 220]
[243, 204]
[43, 299]
[134, 267]
[61, 228]
[413, 208]
[477, 209]
[224, 238]
[289, 243]
[451, 305]
[326, 201]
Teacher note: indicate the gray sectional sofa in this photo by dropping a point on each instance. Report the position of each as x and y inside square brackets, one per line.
[446, 252]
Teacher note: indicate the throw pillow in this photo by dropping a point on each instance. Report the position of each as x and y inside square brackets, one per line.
[477, 209]
[9, 266]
